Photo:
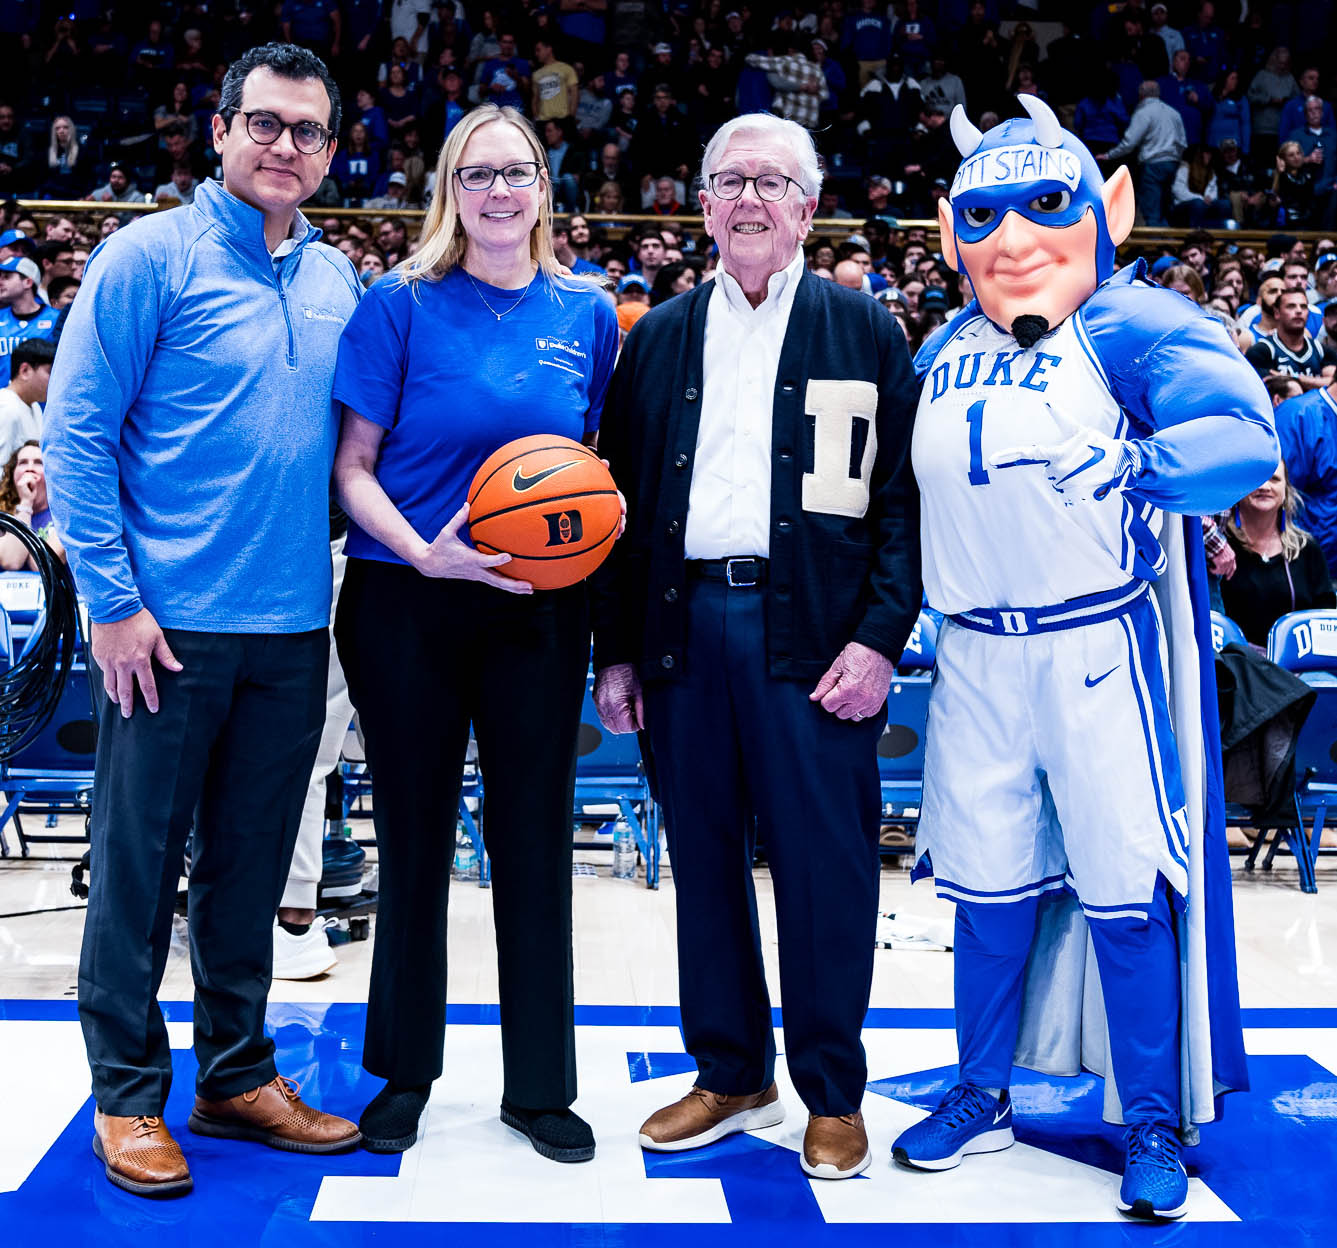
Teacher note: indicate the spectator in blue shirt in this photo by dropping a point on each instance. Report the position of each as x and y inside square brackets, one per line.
[357, 166]
[866, 36]
[1101, 117]
[1187, 97]
[503, 80]
[1293, 111]
[189, 440]
[474, 341]
[22, 313]
[1229, 117]
[369, 113]
[315, 24]
[1206, 44]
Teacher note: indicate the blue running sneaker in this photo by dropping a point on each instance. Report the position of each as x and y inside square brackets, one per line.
[1155, 1185]
[968, 1120]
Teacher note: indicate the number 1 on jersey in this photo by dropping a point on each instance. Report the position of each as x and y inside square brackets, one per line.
[975, 419]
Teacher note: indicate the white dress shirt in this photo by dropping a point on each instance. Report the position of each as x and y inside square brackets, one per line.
[729, 507]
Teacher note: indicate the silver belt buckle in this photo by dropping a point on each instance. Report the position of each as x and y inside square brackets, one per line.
[728, 572]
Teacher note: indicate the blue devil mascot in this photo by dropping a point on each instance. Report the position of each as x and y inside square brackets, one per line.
[1073, 421]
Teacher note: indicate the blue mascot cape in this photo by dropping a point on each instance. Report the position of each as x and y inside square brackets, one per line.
[1063, 1026]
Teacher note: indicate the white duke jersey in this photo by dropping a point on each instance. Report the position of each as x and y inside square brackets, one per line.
[1004, 537]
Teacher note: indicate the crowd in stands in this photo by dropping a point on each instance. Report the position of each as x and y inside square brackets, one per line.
[1223, 107]
[1222, 111]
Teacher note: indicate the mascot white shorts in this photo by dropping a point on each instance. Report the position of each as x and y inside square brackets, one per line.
[1050, 761]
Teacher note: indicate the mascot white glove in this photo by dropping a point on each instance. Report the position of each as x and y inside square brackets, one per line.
[1084, 464]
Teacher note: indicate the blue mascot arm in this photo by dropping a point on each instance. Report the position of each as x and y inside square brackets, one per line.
[1202, 420]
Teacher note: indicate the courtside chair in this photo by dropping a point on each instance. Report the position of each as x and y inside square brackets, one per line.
[54, 773]
[611, 776]
[1305, 642]
[1225, 632]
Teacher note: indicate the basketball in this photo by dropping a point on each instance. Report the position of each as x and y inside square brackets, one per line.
[550, 504]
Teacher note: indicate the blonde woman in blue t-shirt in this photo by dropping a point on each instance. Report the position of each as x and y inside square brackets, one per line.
[477, 339]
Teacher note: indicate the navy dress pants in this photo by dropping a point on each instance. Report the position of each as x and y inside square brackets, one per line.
[230, 752]
[736, 748]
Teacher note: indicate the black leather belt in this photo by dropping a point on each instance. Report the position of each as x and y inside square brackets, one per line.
[739, 572]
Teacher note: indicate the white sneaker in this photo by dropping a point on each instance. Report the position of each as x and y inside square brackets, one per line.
[302, 957]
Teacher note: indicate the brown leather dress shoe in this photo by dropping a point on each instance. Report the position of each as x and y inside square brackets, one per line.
[140, 1155]
[702, 1117]
[835, 1148]
[275, 1115]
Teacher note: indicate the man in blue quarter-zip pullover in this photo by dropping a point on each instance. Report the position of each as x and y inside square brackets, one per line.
[190, 436]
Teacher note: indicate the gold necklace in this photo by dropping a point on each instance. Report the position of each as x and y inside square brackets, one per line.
[488, 306]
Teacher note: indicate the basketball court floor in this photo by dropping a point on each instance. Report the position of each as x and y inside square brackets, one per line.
[1263, 1176]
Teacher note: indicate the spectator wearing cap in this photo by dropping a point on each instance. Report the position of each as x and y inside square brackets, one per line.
[1156, 136]
[1325, 277]
[834, 73]
[1327, 336]
[634, 288]
[1167, 34]
[395, 197]
[22, 314]
[661, 70]
[16, 243]
[119, 189]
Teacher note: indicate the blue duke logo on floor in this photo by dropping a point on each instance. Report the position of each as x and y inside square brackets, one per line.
[471, 1172]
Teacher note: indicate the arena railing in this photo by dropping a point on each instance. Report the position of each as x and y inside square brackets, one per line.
[618, 225]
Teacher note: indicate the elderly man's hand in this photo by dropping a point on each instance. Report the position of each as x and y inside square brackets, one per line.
[856, 684]
[617, 698]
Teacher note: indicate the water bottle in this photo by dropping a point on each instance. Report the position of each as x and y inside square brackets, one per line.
[624, 851]
[465, 866]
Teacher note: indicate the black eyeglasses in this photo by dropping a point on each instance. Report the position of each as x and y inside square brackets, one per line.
[266, 129]
[481, 177]
[769, 186]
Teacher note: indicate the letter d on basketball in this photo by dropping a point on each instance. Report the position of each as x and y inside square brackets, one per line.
[564, 527]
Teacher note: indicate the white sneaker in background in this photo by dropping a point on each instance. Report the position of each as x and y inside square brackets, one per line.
[302, 957]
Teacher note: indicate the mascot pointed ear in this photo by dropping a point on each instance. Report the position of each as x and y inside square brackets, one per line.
[947, 234]
[1120, 205]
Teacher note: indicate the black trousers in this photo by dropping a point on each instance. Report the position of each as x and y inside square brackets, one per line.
[229, 751]
[424, 658]
[732, 746]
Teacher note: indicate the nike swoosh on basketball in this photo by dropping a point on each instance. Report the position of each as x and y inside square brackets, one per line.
[1092, 683]
[520, 483]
